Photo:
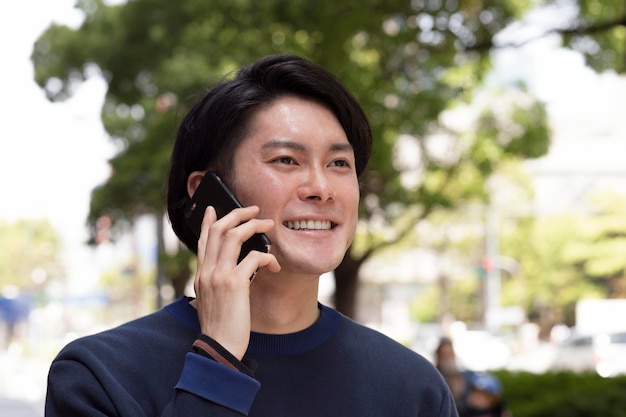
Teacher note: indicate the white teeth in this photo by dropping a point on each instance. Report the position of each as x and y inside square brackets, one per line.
[309, 225]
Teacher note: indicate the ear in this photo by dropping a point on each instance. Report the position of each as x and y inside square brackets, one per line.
[193, 181]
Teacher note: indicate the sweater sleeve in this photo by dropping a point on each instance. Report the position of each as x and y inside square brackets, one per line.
[210, 380]
[83, 387]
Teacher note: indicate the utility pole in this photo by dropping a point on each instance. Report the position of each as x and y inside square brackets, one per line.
[493, 278]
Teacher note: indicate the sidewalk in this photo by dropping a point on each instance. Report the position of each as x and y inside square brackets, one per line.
[10, 407]
[22, 384]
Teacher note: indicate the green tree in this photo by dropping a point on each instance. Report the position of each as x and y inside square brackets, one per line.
[546, 284]
[28, 254]
[598, 251]
[456, 238]
[406, 61]
[567, 257]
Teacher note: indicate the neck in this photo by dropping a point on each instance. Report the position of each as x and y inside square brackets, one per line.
[282, 305]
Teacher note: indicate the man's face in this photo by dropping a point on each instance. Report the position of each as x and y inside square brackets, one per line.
[298, 167]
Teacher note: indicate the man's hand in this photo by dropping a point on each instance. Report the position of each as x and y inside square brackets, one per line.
[222, 286]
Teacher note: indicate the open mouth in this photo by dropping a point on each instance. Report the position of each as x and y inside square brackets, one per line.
[309, 225]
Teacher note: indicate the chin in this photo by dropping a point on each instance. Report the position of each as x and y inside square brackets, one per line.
[312, 266]
[328, 266]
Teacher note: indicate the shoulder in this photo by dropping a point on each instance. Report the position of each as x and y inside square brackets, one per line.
[395, 368]
[378, 346]
[139, 336]
[358, 333]
[113, 368]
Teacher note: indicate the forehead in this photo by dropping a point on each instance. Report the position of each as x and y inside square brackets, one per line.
[289, 106]
[296, 122]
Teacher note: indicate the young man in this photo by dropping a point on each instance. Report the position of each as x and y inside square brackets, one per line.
[291, 141]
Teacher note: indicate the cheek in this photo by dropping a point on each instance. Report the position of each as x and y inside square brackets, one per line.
[261, 190]
[352, 204]
[353, 195]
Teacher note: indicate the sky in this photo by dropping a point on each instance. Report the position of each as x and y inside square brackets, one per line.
[586, 114]
[53, 155]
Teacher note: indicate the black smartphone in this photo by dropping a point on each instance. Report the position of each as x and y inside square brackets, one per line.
[213, 191]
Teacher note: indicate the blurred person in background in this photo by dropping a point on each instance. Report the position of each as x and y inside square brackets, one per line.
[291, 141]
[476, 394]
[458, 379]
[485, 397]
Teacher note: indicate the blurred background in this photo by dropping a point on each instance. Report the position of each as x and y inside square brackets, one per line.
[493, 211]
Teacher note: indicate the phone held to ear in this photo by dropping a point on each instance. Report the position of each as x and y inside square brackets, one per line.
[212, 191]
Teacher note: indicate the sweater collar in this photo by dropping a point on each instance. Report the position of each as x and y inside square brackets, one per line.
[269, 344]
[298, 342]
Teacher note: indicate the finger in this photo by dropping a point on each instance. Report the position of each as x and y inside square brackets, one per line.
[228, 266]
[226, 230]
[224, 239]
[236, 238]
[234, 228]
[255, 260]
[210, 216]
[208, 220]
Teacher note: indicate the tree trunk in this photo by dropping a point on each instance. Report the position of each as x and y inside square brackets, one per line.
[175, 269]
[347, 284]
[160, 267]
[179, 281]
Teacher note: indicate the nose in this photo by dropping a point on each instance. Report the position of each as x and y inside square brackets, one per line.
[316, 185]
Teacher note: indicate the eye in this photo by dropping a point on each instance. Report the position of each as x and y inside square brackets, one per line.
[284, 160]
[342, 163]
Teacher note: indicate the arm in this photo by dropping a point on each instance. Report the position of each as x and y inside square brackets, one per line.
[82, 383]
[205, 384]
[81, 386]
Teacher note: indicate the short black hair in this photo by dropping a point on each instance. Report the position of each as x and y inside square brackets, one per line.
[216, 124]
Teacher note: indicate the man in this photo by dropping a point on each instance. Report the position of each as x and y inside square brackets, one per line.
[291, 141]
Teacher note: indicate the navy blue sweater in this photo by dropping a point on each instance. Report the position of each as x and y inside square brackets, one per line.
[334, 368]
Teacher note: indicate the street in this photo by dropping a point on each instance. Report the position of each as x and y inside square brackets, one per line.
[10, 407]
[22, 384]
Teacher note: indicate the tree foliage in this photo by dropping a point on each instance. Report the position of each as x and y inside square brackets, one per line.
[563, 394]
[599, 33]
[598, 251]
[568, 257]
[28, 254]
[406, 61]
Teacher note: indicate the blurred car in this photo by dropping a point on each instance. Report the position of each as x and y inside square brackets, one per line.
[603, 353]
[480, 350]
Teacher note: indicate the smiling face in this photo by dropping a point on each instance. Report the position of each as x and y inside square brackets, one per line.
[298, 167]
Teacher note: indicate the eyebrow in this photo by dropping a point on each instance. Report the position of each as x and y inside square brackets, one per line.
[296, 146]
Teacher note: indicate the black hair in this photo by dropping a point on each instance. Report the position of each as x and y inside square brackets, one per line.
[217, 123]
